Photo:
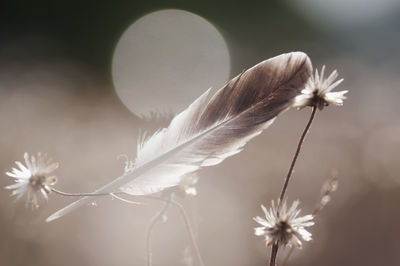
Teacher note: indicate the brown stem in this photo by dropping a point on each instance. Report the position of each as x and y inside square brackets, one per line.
[274, 253]
[314, 109]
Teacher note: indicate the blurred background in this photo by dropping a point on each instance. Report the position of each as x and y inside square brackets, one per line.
[80, 79]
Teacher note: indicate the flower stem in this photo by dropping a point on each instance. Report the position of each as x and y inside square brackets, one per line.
[112, 194]
[188, 226]
[190, 233]
[62, 193]
[314, 109]
[167, 202]
[274, 253]
[149, 230]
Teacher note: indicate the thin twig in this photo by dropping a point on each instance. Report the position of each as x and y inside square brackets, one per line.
[114, 195]
[274, 252]
[314, 109]
[62, 193]
[182, 211]
[149, 230]
[188, 227]
[285, 185]
[329, 187]
[190, 232]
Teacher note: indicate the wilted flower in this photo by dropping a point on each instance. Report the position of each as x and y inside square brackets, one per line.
[318, 91]
[329, 186]
[33, 178]
[282, 226]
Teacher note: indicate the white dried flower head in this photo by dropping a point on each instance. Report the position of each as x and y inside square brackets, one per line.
[318, 91]
[33, 179]
[282, 226]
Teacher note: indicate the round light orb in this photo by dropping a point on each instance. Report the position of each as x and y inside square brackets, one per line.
[166, 59]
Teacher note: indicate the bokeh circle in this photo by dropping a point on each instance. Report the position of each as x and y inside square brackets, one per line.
[166, 59]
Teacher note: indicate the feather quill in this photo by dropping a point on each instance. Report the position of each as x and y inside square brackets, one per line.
[208, 132]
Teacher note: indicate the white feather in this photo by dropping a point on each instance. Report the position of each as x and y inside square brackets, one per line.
[208, 132]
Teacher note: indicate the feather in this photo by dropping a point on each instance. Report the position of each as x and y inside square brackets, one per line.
[208, 132]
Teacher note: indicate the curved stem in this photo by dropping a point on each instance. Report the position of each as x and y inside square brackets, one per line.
[114, 195]
[274, 253]
[297, 154]
[153, 221]
[188, 227]
[149, 230]
[190, 232]
[62, 193]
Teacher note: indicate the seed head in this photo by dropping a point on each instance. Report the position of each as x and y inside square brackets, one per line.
[282, 226]
[33, 179]
[318, 91]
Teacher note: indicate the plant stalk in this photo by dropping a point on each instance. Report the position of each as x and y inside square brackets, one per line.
[314, 110]
[274, 253]
[149, 230]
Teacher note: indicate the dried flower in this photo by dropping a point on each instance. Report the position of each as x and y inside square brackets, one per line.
[33, 178]
[318, 91]
[329, 186]
[282, 226]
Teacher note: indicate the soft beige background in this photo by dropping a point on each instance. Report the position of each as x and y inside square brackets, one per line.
[62, 106]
